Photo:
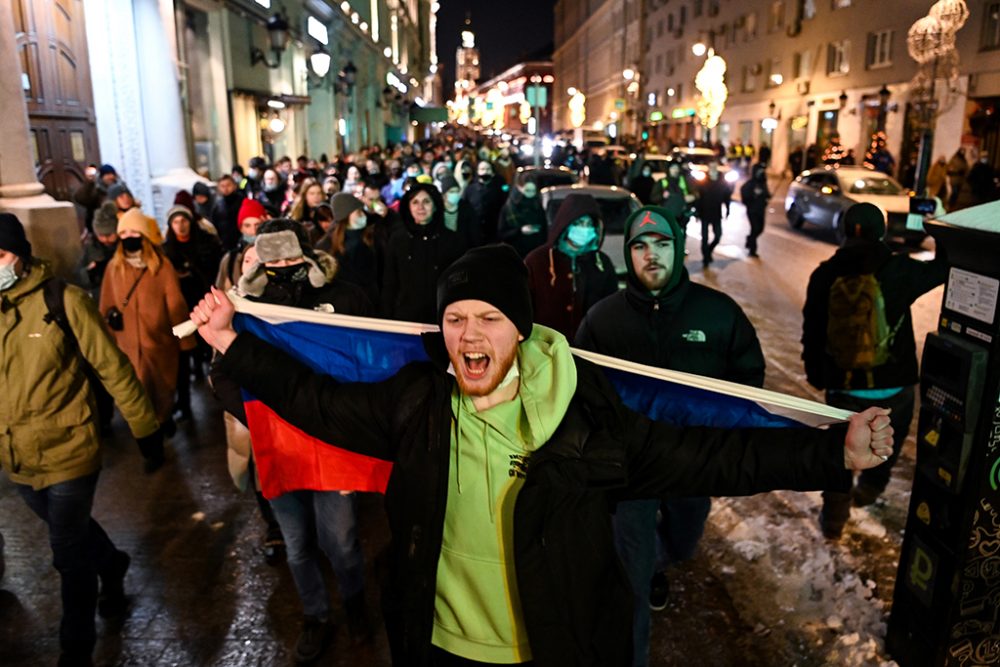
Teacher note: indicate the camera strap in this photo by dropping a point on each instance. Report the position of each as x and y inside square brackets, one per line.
[128, 296]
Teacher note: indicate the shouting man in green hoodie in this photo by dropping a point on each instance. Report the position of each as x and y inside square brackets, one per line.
[508, 453]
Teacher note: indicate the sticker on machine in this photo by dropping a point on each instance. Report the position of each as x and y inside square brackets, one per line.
[972, 295]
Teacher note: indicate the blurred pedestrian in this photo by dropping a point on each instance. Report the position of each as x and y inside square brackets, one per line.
[416, 256]
[714, 194]
[569, 273]
[54, 344]
[141, 300]
[522, 219]
[755, 195]
[226, 210]
[665, 320]
[938, 184]
[865, 355]
[351, 241]
[958, 167]
[273, 192]
[641, 185]
[486, 195]
[459, 216]
[676, 193]
[94, 190]
[982, 181]
[98, 248]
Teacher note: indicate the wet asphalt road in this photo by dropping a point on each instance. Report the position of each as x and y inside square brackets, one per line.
[201, 594]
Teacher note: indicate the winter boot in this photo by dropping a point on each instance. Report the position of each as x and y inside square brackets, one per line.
[111, 603]
[835, 513]
[315, 637]
[76, 654]
[357, 618]
[659, 591]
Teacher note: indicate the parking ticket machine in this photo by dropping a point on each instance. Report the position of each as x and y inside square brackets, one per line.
[946, 603]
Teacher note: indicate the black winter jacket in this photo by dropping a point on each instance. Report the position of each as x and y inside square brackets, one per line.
[903, 280]
[575, 597]
[415, 258]
[486, 200]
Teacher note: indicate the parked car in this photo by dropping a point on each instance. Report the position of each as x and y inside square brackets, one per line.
[698, 159]
[820, 196]
[616, 205]
[546, 176]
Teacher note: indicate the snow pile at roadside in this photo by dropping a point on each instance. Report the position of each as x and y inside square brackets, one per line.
[794, 587]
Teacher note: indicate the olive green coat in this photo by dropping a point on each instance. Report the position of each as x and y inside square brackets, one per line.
[48, 418]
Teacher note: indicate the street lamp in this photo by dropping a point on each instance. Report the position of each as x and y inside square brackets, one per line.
[883, 107]
[842, 99]
[319, 62]
[277, 36]
[699, 49]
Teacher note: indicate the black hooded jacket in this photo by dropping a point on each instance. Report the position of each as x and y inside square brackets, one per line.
[415, 257]
[563, 290]
[902, 279]
[486, 200]
[518, 212]
[687, 327]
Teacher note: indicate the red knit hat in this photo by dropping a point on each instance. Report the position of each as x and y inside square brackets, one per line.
[250, 208]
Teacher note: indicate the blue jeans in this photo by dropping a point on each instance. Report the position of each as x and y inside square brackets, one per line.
[321, 520]
[81, 551]
[642, 553]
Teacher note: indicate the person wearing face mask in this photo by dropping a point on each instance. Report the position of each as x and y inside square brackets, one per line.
[416, 256]
[142, 286]
[505, 166]
[289, 272]
[569, 273]
[458, 214]
[252, 184]
[676, 193]
[464, 173]
[522, 219]
[351, 241]
[487, 196]
[273, 192]
[50, 448]
[98, 248]
[641, 185]
[195, 255]
[225, 211]
[375, 174]
[664, 320]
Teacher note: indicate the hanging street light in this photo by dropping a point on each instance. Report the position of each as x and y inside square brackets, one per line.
[710, 82]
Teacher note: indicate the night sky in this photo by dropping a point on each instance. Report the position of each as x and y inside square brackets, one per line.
[507, 32]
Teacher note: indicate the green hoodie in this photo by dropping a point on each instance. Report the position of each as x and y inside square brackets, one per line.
[477, 611]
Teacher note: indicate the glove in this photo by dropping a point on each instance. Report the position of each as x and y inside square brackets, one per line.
[151, 448]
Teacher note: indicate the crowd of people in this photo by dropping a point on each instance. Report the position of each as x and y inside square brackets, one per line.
[437, 233]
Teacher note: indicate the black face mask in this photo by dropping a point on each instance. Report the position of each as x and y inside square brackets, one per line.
[295, 273]
[132, 244]
[466, 175]
[485, 178]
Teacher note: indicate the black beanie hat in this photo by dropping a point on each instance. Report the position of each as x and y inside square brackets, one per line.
[12, 238]
[494, 274]
[864, 221]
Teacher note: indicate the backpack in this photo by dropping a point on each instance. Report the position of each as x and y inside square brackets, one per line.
[857, 333]
[54, 294]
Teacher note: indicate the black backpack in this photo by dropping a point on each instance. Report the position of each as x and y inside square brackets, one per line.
[54, 294]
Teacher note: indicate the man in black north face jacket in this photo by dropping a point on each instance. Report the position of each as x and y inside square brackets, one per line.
[565, 588]
[663, 319]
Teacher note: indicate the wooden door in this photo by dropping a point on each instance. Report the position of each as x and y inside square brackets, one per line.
[55, 74]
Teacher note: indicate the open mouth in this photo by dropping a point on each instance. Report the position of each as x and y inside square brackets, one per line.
[476, 364]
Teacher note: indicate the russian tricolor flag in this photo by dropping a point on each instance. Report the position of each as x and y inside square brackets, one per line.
[358, 349]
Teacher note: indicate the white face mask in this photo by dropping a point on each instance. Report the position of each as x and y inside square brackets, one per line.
[357, 222]
[8, 276]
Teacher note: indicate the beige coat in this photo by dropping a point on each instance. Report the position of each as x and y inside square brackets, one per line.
[155, 307]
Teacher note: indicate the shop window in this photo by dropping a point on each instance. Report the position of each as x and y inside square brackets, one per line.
[699, 7]
[749, 79]
[750, 26]
[879, 49]
[991, 28]
[774, 76]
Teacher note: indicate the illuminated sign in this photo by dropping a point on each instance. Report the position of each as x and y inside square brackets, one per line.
[682, 113]
[800, 122]
[655, 116]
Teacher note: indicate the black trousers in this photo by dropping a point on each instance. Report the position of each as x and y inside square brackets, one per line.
[441, 658]
[756, 229]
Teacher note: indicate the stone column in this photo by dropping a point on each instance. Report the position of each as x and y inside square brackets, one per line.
[140, 122]
[51, 225]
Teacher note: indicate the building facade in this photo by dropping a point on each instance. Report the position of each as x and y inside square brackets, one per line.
[798, 71]
[518, 100]
[175, 91]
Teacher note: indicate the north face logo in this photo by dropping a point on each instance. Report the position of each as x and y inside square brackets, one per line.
[694, 336]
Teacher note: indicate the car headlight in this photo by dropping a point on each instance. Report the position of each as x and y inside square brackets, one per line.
[527, 149]
[732, 176]
[698, 175]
